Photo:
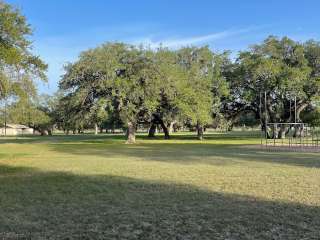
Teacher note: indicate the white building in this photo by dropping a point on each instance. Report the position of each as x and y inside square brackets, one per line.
[15, 129]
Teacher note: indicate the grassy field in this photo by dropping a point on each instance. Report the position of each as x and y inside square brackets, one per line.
[96, 187]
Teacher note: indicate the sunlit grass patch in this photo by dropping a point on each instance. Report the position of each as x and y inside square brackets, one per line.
[93, 187]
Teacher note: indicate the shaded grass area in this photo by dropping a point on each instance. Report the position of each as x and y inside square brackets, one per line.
[95, 187]
[120, 137]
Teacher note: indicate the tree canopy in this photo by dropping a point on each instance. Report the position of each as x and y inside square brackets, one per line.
[118, 85]
[281, 68]
[19, 67]
[16, 58]
[141, 86]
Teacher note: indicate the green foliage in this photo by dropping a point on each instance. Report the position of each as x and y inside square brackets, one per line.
[13, 32]
[124, 84]
[248, 119]
[171, 74]
[312, 115]
[19, 69]
[194, 95]
[136, 89]
[29, 112]
[15, 56]
[115, 78]
[282, 68]
[133, 84]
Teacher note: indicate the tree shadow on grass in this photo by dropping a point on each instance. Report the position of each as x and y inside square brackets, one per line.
[181, 149]
[6, 170]
[237, 135]
[56, 205]
[121, 137]
[190, 153]
[62, 138]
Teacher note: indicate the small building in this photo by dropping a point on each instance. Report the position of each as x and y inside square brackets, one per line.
[15, 129]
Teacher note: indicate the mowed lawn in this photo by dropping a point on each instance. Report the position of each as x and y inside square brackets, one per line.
[97, 187]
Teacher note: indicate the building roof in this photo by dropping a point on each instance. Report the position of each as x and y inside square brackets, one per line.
[16, 126]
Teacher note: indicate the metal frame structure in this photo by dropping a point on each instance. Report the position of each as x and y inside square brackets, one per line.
[292, 136]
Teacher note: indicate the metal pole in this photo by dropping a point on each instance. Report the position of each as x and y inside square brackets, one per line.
[317, 141]
[290, 109]
[265, 114]
[307, 136]
[312, 132]
[301, 132]
[5, 116]
[274, 134]
[282, 128]
[260, 112]
[289, 135]
[295, 109]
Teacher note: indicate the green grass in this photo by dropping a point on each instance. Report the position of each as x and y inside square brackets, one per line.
[96, 187]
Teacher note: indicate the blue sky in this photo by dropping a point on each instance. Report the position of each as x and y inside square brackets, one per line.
[64, 28]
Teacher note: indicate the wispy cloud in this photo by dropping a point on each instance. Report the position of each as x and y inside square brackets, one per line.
[193, 40]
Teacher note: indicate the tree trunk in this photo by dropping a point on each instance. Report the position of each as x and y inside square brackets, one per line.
[152, 130]
[96, 129]
[158, 120]
[131, 133]
[282, 132]
[200, 131]
[300, 109]
[165, 129]
[44, 132]
[171, 127]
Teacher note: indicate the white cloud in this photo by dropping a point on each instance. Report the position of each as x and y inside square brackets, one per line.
[195, 40]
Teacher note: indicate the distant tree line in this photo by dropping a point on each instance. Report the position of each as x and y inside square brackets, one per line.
[123, 86]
